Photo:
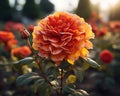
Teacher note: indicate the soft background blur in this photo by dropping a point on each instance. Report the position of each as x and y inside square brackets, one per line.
[102, 15]
[18, 10]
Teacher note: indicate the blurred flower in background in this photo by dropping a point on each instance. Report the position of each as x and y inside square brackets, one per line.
[20, 52]
[106, 56]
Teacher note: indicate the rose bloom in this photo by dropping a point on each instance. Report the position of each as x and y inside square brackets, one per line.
[6, 36]
[11, 44]
[106, 56]
[18, 26]
[21, 52]
[62, 36]
[9, 25]
[102, 31]
[115, 26]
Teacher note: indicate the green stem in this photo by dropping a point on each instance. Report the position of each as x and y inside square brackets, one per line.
[38, 62]
[61, 84]
[29, 44]
[42, 72]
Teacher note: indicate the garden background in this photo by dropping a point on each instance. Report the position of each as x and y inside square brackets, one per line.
[102, 15]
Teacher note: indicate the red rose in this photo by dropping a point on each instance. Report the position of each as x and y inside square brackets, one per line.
[106, 56]
[102, 31]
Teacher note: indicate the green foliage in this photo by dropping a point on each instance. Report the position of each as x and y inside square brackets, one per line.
[27, 78]
[84, 64]
[79, 73]
[71, 91]
[6, 10]
[92, 63]
[31, 10]
[69, 88]
[65, 65]
[42, 87]
[49, 78]
[50, 69]
[27, 60]
[106, 83]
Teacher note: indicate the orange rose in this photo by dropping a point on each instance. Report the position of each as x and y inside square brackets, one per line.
[11, 44]
[6, 36]
[21, 52]
[62, 36]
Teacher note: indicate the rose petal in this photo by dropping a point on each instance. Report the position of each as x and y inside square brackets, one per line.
[88, 44]
[43, 53]
[51, 39]
[54, 50]
[58, 57]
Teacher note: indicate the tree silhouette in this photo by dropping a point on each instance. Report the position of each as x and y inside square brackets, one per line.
[30, 9]
[84, 9]
[6, 10]
[46, 7]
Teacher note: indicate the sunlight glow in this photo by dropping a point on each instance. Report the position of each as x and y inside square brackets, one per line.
[104, 6]
[104, 3]
[21, 2]
[12, 3]
[94, 2]
[65, 5]
[113, 2]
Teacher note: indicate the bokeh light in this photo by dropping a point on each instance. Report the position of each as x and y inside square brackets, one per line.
[66, 5]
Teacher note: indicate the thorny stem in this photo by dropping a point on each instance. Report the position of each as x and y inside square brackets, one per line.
[41, 69]
[38, 62]
[61, 84]
[29, 44]
[42, 72]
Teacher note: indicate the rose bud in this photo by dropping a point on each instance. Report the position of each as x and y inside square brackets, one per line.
[24, 33]
[30, 28]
